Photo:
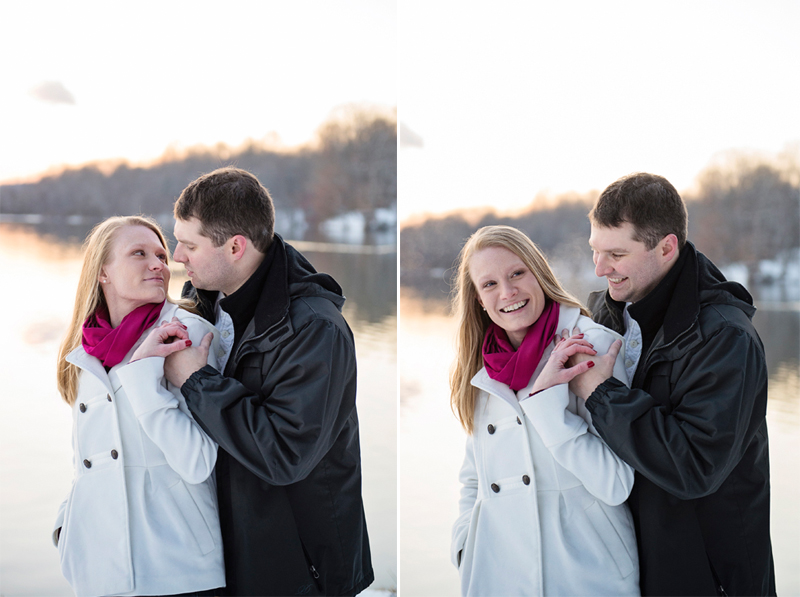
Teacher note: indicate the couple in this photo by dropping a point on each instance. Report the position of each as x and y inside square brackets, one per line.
[156, 389]
[610, 461]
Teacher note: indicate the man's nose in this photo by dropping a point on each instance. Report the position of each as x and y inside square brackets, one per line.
[178, 254]
[601, 267]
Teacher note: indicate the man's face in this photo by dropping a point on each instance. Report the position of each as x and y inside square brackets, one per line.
[207, 266]
[632, 271]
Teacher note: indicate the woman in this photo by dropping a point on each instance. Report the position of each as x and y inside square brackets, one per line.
[141, 518]
[542, 504]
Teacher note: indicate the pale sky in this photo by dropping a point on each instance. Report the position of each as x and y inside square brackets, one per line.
[83, 81]
[512, 99]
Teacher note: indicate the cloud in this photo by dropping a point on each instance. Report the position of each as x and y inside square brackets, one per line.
[52, 92]
[409, 138]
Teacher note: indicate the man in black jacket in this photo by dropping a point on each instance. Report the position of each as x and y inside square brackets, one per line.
[282, 408]
[692, 424]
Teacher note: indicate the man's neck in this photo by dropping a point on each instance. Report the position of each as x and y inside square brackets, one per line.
[248, 269]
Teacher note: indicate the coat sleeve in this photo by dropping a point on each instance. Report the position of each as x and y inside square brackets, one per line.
[163, 415]
[282, 431]
[689, 444]
[60, 519]
[469, 493]
[572, 440]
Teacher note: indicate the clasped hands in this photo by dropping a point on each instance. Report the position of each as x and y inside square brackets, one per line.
[171, 340]
[575, 361]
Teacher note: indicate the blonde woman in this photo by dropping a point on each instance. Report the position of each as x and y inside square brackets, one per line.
[542, 509]
[141, 517]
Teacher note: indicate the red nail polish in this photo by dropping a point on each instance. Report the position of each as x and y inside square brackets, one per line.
[189, 343]
[591, 364]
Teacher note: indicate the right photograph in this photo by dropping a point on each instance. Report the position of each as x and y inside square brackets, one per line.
[599, 314]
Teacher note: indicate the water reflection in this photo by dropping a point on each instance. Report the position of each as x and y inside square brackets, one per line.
[40, 277]
[432, 442]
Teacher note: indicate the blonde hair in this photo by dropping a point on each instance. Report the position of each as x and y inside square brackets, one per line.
[96, 253]
[473, 321]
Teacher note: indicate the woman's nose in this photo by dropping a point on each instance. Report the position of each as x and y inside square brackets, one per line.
[508, 289]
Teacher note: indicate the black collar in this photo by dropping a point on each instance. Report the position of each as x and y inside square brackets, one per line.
[264, 297]
[651, 311]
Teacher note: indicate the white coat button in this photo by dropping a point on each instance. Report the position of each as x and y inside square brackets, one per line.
[109, 397]
[225, 333]
[634, 343]
[82, 407]
[628, 363]
[490, 428]
[114, 454]
[495, 488]
[87, 464]
[526, 479]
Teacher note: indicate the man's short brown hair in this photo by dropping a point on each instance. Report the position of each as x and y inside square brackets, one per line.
[229, 201]
[647, 201]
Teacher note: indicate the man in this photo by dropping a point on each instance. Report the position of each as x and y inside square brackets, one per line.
[692, 424]
[282, 406]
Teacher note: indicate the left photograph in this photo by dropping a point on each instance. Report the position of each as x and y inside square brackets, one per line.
[200, 253]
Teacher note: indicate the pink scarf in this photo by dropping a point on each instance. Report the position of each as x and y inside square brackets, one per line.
[110, 345]
[515, 367]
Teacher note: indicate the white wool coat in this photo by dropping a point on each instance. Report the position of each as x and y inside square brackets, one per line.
[141, 517]
[542, 509]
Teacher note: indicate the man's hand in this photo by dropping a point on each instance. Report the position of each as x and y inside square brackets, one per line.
[180, 365]
[583, 385]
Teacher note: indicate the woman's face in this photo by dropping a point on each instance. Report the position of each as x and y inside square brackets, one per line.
[508, 291]
[136, 272]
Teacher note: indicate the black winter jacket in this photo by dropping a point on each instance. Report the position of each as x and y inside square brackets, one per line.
[284, 416]
[693, 427]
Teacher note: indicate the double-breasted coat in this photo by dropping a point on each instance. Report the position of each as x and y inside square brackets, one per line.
[542, 508]
[141, 517]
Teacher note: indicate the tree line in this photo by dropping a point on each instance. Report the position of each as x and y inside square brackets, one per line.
[742, 210]
[351, 165]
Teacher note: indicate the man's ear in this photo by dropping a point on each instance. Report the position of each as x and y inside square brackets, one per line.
[669, 247]
[237, 246]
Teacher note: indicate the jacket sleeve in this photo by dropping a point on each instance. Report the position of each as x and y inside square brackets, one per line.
[469, 493]
[164, 417]
[689, 445]
[281, 432]
[572, 440]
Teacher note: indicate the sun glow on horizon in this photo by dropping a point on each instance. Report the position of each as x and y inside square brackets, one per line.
[83, 91]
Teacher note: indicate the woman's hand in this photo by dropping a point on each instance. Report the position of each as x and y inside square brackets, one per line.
[556, 371]
[167, 338]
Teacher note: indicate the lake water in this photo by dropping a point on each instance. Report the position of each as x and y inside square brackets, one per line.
[39, 278]
[432, 444]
